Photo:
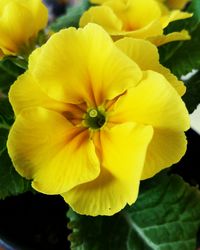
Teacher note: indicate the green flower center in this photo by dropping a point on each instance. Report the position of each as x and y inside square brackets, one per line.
[95, 118]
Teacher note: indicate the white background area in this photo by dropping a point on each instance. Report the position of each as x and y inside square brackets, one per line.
[195, 116]
[195, 119]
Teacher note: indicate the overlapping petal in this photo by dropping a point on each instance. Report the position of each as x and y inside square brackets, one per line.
[127, 14]
[134, 48]
[171, 37]
[174, 16]
[110, 21]
[156, 103]
[48, 147]
[153, 102]
[166, 148]
[123, 150]
[84, 75]
[27, 93]
[123, 154]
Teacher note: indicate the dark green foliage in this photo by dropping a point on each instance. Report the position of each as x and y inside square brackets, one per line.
[9, 72]
[11, 183]
[166, 216]
[182, 57]
[6, 113]
[192, 95]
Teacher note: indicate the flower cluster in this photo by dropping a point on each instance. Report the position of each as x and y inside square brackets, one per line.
[136, 18]
[95, 115]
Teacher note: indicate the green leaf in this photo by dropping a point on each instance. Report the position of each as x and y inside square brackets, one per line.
[192, 95]
[20, 62]
[165, 216]
[9, 72]
[71, 18]
[6, 113]
[11, 183]
[182, 57]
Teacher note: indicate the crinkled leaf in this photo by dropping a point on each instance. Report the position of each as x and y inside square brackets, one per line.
[166, 216]
[182, 57]
[71, 18]
[192, 95]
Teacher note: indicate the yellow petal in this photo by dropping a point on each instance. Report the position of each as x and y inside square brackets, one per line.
[26, 93]
[104, 196]
[166, 148]
[123, 153]
[2, 6]
[174, 16]
[39, 12]
[81, 72]
[152, 29]
[172, 79]
[130, 16]
[174, 36]
[134, 48]
[135, 14]
[45, 147]
[155, 102]
[20, 21]
[103, 16]
[155, 17]
[16, 23]
[7, 46]
[98, 1]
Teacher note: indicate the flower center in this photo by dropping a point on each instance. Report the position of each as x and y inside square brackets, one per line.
[95, 118]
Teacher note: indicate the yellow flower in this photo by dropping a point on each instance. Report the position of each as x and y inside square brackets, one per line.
[20, 22]
[91, 122]
[135, 18]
